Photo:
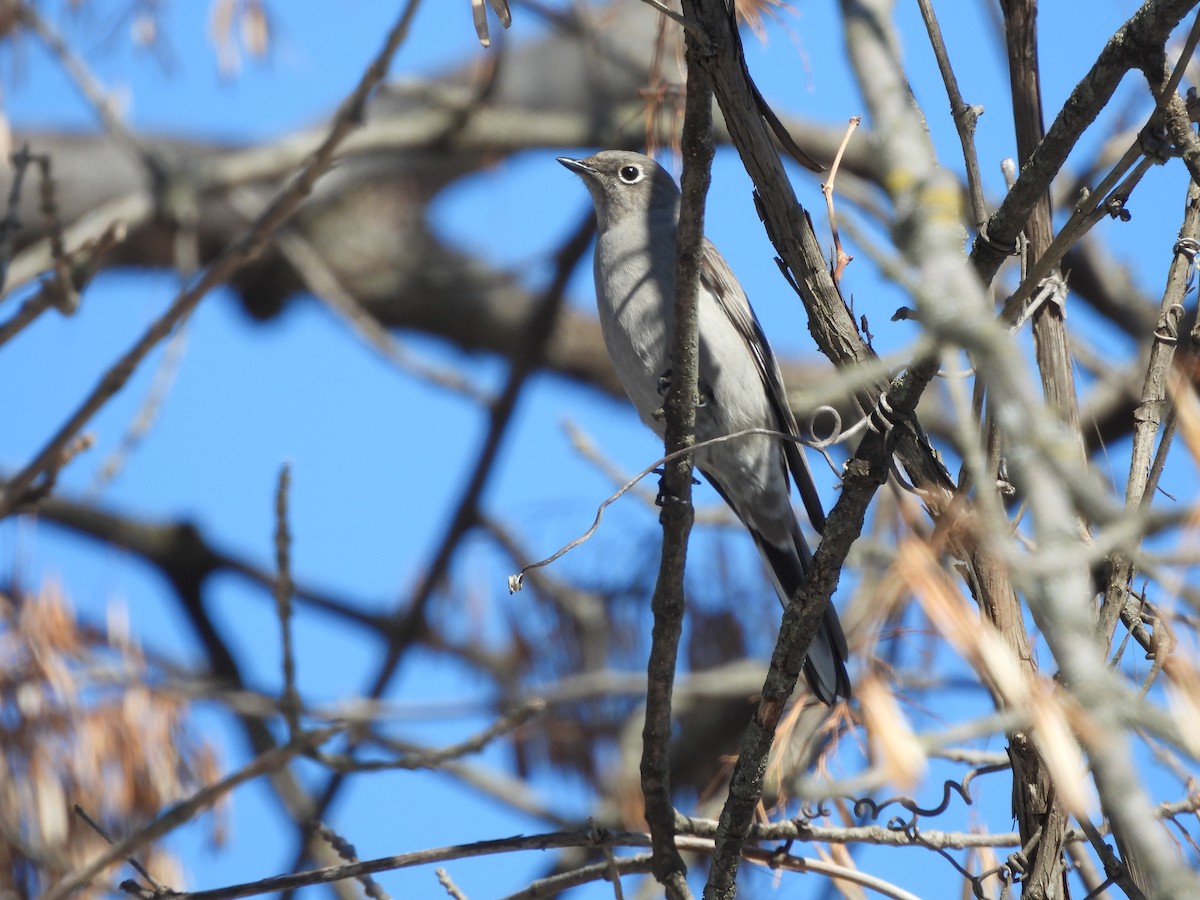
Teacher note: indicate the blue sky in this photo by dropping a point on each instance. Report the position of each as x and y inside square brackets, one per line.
[372, 484]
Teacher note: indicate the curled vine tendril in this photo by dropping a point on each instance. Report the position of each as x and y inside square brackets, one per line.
[1009, 871]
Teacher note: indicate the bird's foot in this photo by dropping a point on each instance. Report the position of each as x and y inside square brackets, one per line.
[664, 384]
[665, 497]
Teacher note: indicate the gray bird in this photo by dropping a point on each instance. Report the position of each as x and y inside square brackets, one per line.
[637, 210]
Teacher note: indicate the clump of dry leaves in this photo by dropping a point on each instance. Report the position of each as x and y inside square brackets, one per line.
[82, 724]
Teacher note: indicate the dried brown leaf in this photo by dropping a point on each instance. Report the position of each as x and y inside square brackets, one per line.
[1187, 411]
[503, 13]
[143, 29]
[1061, 752]
[893, 746]
[255, 28]
[754, 13]
[220, 32]
[123, 754]
[479, 15]
[976, 640]
[1183, 699]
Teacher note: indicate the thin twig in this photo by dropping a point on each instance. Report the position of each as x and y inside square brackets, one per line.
[122, 214]
[1107, 200]
[554, 885]
[516, 582]
[841, 259]
[133, 862]
[82, 264]
[694, 32]
[585, 839]
[11, 224]
[447, 882]
[346, 851]
[284, 588]
[147, 414]
[325, 285]
[432, 759]
[91, 90]
[64, 292]
[964, 115]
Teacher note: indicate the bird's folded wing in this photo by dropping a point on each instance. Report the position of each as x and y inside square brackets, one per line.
[717, 277]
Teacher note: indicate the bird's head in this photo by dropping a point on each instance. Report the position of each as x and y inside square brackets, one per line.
[623, 183]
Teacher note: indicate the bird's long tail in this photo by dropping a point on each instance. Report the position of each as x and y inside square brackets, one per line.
[825, 667]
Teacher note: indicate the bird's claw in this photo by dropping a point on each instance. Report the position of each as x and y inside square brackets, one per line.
[664, 384]
[664, 497]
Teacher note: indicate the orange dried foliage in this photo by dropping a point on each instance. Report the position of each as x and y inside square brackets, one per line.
[236, 27]
[1054, 718]
[754, 13]
[892, 743]
[83, 726]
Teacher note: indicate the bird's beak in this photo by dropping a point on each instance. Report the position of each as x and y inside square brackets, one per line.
[578, 166]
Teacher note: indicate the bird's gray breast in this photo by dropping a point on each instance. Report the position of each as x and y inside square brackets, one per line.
[635, 291]
[635, 287]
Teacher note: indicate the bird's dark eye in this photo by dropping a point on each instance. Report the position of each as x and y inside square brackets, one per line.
[630, 174]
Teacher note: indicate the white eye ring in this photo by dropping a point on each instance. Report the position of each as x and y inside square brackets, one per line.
[631, 174]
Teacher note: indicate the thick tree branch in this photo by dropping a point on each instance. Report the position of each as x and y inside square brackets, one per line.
[1038, 808]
